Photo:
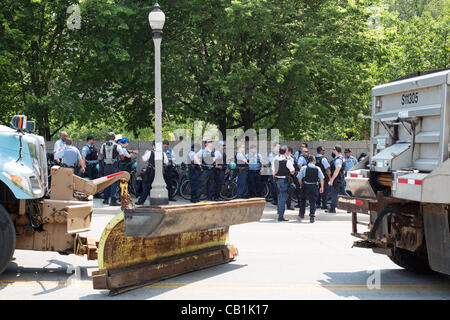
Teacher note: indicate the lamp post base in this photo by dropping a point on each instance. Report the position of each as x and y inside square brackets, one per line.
[159, 196]
[159, 201]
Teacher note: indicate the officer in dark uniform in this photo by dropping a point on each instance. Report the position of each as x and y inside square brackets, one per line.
[206, 159]
[272, 154]
[254, 172]
[149, 175]
[194, 173]
[242, 172]
[291, 158]
[219, 169]
[336, 183]
[170, 171]
[309, 176]
[90, 156]
[282, 168]
[110, 154]
[322, 163]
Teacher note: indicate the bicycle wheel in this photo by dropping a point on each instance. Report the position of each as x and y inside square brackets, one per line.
[265, 191]
[185, 189]
[132, 186]
[176, 187]
[229, 190]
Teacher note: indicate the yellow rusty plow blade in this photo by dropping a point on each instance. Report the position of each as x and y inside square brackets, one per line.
[178, 239]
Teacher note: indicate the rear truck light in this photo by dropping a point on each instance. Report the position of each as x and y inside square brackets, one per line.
[352, 201]
[354, 175]
[409, 181]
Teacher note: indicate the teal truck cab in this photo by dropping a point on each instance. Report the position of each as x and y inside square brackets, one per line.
[33, 214]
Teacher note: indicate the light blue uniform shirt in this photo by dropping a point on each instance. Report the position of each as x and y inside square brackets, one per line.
[70, 155]
[301, 161]
[240, 157]
[350, 162]
[271, 156]
[191, 155]
[170, 154]
[324, 161]
[302, 173]
[338, 161]
[58, 144]
[205, 161]
[253, 161]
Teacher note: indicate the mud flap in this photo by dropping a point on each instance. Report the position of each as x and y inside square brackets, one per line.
[437, 237]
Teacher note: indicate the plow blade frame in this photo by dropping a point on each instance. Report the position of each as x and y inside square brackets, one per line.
[157, 221]
[122, 280]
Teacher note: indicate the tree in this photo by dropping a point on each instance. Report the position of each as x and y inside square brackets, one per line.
[244, 64]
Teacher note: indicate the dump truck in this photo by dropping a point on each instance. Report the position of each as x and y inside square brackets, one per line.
[404, 185]
[140, 245]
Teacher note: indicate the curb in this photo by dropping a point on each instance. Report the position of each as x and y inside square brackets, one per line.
[318, 217]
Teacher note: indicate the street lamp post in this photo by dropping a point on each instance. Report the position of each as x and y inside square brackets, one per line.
[158, 194]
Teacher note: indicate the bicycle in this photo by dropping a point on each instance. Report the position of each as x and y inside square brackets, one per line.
[185, 187]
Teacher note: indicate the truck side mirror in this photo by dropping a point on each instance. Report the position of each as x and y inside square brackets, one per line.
[30, 126]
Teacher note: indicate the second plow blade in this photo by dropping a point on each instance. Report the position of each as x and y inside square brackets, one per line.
[157, 221]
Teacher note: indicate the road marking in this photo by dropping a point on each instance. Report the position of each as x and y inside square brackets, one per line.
[242, 286]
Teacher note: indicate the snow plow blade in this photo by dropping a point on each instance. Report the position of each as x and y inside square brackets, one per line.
[184, 238]
[157, 221]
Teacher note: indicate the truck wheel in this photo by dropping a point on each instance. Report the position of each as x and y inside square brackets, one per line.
[410, 261]
[7, 239]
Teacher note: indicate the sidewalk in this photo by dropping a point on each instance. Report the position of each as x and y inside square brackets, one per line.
[270, 212]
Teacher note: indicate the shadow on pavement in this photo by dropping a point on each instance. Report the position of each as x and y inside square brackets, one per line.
[384, 284]
[61, 275]
[152, 290]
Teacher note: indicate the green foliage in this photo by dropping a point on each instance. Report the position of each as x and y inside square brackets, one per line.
[303, 67]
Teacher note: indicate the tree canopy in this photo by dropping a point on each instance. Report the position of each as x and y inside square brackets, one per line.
[303, 67]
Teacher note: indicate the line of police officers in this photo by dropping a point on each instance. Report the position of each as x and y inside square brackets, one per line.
[207, 171]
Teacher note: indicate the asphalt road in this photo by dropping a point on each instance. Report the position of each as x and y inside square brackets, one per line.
[277, 260]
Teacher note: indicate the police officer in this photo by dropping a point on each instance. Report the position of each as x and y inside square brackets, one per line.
[309, 176]
[70, 157]
[282, 167]
[170, 172]
[291, 158]
[220, 160]
[350, 160]
[322, 163]
[125, 164]
[242, 172]
[59, 144]
[298, 153]
[254, 172]
[110, 154]
[336, 183]
[301, 160]
[90, 157]
[149, 174]
[272, 154]
[205, 158]
[194, 173]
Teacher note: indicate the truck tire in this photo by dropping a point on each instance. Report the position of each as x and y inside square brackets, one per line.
[410, 261]
[7, 239]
